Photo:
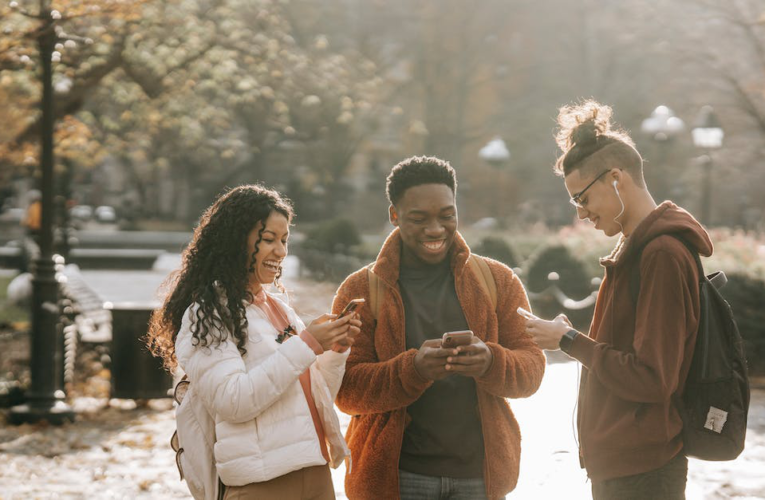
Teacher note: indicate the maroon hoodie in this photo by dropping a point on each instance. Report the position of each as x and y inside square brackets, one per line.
[636, 360]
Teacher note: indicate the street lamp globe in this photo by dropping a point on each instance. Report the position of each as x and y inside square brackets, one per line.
[707, 131]
[495, 152]
[662, 125]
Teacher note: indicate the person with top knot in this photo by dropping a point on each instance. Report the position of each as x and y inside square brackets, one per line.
[637, 353]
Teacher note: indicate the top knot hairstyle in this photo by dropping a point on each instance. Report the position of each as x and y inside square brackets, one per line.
[215, 273]
[589, 141]
[416, 171]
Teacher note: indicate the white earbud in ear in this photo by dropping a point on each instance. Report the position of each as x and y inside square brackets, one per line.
[614, 183]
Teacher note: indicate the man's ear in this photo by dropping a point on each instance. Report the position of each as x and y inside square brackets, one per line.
[617, 175]
[393, 215]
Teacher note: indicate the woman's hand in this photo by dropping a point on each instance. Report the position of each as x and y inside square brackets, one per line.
[353, 331]
[329, 331]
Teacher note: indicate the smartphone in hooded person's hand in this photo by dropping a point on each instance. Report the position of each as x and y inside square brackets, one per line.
[526, 314]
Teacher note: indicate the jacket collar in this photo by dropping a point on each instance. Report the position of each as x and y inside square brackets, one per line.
[388, 262]
[666, 218]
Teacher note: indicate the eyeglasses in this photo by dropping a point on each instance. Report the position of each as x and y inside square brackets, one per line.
[576, 199]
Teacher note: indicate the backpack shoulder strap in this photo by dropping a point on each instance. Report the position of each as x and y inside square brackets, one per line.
[481, 270]
[375, 291]
[635, 271]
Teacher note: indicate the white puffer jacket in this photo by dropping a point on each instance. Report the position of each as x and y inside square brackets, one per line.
[263, 425]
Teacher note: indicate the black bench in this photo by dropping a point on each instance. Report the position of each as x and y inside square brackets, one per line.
[112, 258]
[135, 373]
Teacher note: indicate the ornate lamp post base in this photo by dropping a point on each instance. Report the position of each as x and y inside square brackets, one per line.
[45, 395]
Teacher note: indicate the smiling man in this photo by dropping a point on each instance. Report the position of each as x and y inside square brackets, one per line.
[638, 351]
[431, 422]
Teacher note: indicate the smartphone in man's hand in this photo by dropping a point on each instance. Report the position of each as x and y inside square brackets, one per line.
[351, 307]
[450, 340]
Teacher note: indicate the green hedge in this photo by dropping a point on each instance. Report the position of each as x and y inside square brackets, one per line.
[574, 281]
[574, 256]
[497, 248]
[334, 236]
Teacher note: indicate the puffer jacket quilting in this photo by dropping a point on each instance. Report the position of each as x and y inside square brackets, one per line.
[262, 422]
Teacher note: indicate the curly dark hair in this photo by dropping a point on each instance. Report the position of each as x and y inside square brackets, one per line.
[416, 171]
[586, 131]
[215, 271]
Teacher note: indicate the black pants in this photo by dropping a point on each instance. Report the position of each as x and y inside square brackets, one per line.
[665, 483]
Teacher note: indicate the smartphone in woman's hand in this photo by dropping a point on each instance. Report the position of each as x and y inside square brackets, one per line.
[352, 305]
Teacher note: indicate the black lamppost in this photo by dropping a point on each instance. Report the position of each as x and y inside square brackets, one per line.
[707, 135]
[45, 397]
[662, 126]
[496, 154]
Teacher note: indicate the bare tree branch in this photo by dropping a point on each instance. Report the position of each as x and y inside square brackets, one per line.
[749, 106]
[73, 100]
[152, 84]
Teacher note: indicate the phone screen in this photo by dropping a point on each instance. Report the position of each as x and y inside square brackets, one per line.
[451, 340]
[526, 314]
[351, 306]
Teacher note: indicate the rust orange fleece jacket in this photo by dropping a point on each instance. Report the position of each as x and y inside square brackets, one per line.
[381, 381]
[637, 359]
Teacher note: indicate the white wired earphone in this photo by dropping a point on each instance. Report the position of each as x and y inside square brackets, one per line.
[620, 201]
[578, 374]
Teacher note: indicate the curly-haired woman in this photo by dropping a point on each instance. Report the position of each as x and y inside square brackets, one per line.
[268, 381]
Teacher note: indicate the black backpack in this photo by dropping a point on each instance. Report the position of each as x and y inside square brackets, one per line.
[715, 402]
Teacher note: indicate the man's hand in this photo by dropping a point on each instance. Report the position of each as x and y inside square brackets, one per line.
[470, 360]
[547, 334]
[430, 361]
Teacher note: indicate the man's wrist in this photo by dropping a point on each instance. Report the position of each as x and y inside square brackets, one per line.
[491, 362]
[567, 339]
[417, 370]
